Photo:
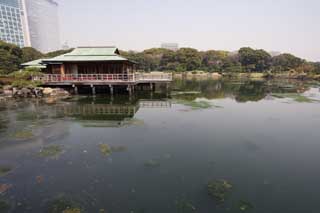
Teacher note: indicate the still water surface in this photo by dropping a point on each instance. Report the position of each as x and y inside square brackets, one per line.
[156, 152]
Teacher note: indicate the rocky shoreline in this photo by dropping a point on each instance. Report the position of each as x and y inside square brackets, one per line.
[37, 92]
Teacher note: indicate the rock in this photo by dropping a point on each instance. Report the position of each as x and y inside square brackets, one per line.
[216, 75]
[7, 92]
[25, 92]
[60, 92]
[47, 91]
[7, 87]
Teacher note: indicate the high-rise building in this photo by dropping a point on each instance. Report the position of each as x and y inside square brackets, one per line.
[30, 23]
[170, 46]
[12, 22]
[42, 24]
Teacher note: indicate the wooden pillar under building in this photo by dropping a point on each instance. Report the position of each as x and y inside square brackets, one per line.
[93, 89]
[129, 88]
[75, 89]
[111, 89]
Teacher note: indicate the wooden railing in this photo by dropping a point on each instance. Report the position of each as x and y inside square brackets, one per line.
[85, 77]
[137, 77]
[153, 76]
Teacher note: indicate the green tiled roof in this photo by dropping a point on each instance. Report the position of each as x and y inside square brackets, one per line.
[94, 51]
[89, 54]
[35, 63]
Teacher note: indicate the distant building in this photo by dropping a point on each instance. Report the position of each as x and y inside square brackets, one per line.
[12, 22]
[170, 46]
[42, 24]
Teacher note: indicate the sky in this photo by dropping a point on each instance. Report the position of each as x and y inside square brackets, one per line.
[287, 26]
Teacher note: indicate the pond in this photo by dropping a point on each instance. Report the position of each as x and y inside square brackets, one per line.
[205, 146]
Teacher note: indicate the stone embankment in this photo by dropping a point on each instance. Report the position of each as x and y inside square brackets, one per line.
[37, 92]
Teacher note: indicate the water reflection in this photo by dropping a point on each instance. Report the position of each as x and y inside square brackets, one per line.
[98, 153]
[241, 91]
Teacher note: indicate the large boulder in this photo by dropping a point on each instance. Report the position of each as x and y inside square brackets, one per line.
[57, 92]
[47, 91]
[25, 92]
[60, 92]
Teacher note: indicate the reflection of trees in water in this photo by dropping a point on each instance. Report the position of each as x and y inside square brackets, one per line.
[242, 91]
[251, 91]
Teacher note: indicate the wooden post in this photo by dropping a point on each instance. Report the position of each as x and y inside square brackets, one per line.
[129, 90]
[75, 89]
[111, 89]
[62, 70]
[93, 90]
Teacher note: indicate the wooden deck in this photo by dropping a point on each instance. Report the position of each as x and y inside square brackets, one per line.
[103, 79]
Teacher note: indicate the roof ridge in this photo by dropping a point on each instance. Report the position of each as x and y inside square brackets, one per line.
[97, 47]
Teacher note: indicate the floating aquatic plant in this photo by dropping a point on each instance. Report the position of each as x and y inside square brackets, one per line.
[219, 189]
[62, 205]
[245, 206]
[4, 206]
[185, 206]
[118, 148]
[4, 170]
[27, 116]
[295, 96]
[152, 163]
[195, 104]
[72, 210]
[50, 151]
[105, 149]
[23, 135]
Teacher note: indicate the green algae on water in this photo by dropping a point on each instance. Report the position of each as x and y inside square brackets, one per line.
[295, 96]
[219, 189]
[195, 104]
[185, 206]
[72, 210]
[152, 163]
[23, 135]
[62, 205]
[245, 206]
[105, 149]
[118, 148]
[4, 170]
[50, 151]
[4, 206]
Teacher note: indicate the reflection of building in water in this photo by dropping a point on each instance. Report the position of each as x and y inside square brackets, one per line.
[106, 115]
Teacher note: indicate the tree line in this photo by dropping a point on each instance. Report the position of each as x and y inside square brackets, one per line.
[185, 59]
[244, 60]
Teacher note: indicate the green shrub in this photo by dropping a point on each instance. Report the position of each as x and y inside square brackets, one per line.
[21, 83]
[26, 74]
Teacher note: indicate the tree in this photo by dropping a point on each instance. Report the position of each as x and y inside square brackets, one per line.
[168, 61]
[189, 58]
[30, 54]
[286, 62]
[317, 67]
[10, 57]
[212, 60]
[254, 60]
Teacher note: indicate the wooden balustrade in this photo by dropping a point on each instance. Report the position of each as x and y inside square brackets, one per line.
[133, 78]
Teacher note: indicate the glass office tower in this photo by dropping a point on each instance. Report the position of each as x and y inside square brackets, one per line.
[11, 22]
[43, 24]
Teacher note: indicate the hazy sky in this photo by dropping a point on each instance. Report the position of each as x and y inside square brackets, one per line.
[275, 25]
